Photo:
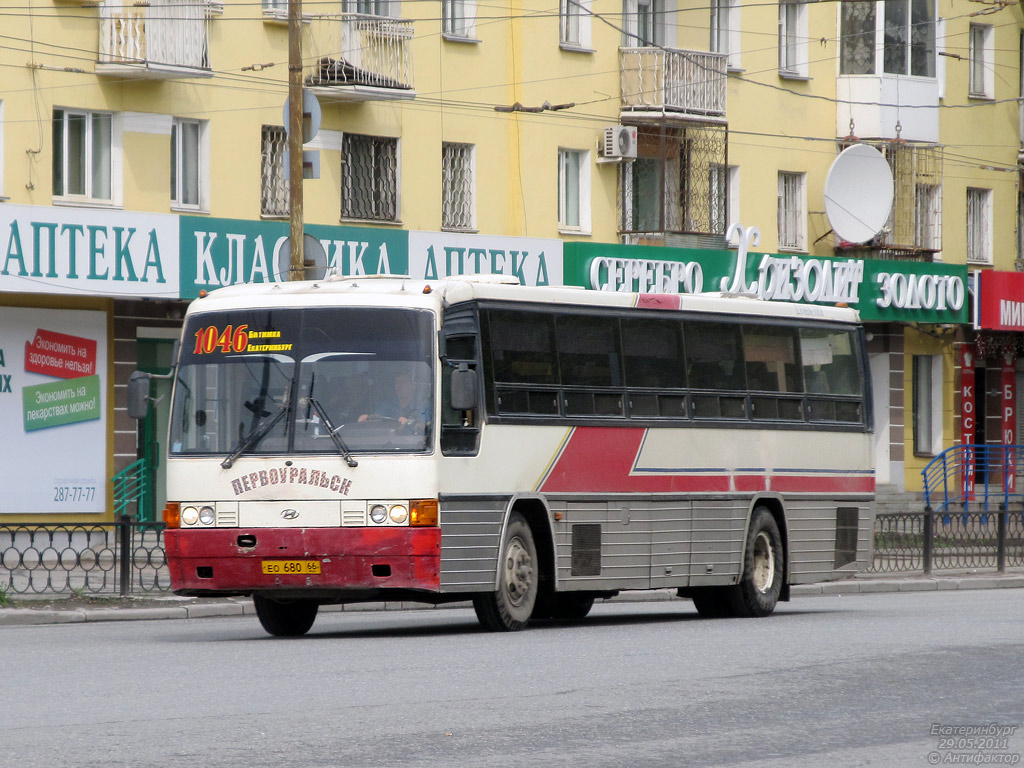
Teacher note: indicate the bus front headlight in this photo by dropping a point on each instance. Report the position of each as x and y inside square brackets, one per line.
[378, 513]
[398, 513]
[206, 515]
[189, 515]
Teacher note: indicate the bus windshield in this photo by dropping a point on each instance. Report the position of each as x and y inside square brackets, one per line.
[326, 380]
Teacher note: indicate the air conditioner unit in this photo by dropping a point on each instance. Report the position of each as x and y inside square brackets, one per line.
[619, 142]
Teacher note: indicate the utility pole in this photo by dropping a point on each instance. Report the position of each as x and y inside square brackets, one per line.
[298, 268]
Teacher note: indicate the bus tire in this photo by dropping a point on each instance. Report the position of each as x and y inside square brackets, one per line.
[509, 609]
[285, 619]
[763, 567]
[712, 602]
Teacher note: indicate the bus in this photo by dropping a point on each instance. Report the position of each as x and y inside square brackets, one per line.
[530, 449]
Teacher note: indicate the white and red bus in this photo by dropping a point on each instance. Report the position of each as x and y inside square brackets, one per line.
[531, 449]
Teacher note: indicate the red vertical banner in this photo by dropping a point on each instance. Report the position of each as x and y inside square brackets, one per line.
[968, 415]
[1008, 396]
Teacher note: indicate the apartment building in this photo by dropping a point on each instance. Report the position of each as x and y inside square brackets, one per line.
[607, 144]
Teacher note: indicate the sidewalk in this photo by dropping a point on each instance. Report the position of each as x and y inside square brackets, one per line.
[58, 609]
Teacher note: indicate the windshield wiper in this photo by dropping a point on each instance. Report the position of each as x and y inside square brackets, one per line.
[254, 437]
[346, 454]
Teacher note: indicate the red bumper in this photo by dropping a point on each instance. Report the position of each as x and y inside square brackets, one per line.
[350, 558]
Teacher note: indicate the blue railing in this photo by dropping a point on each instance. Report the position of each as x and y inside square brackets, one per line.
[980, 478]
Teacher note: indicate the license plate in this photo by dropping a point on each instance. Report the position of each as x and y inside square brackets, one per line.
[277, 567]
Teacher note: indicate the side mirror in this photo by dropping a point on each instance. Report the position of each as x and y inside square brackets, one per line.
[138, 395]
[464, 388]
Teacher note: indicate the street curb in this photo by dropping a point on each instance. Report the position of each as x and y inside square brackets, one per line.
[199, 608]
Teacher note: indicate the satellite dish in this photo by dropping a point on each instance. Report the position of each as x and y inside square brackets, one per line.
[858, 193]
[314, 257]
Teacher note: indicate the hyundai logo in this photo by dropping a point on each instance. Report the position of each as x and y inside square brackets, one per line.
[290, 514]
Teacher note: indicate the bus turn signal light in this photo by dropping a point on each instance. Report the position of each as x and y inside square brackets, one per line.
[172, 514]
[423, 512]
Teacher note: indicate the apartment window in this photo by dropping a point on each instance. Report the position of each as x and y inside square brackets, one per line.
[792, 230]
[574, 23]
[732, 192]
[908, 34]
[371, 7]
[909, 38]
[82, 154]
[725, 25]
[928, 217]
[187, 173]
[979, 225]
[369, 177]
[459, 17]
[927, 384]
[647, 19]
[573, 190]
[275, 7]
[981, 79]
[273, 187]
[792, 42]
[457, 202]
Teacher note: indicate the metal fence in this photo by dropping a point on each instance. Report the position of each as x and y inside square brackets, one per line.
[119, 558]
[127, 557]
[928, 541]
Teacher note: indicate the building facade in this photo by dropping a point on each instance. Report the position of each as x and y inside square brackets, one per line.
[625, 145]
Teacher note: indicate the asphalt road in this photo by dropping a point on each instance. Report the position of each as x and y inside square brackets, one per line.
[827, 681]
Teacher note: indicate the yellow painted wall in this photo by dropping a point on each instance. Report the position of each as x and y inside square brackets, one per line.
[918, 343]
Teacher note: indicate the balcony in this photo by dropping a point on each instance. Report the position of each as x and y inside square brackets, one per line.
[358, 57]
[160, 39]
[659, 82]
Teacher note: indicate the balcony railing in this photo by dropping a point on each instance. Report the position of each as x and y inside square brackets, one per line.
[673, 81]
[159, 38]
[357, 57]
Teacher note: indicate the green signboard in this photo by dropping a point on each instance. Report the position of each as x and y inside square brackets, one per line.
[218, 252]
[882, 291]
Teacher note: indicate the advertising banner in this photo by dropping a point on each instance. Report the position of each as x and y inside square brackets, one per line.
[881, 290]
[1000, 300]
[100, 252]
[52, 367]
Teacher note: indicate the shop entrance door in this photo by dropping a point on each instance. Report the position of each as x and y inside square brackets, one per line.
[155, 355]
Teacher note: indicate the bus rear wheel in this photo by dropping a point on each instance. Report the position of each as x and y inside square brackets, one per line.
[509, 609]
[292, 618]
[763, 567]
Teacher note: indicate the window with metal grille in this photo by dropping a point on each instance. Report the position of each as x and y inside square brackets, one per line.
[928, 217]
[791, 211]
[457, 203]
[273, 187]
[979, 225]
[369, 177]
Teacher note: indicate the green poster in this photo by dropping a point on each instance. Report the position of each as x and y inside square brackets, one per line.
[68, 401]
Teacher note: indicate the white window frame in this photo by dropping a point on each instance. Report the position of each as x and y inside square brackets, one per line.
[979, 225]
[725, 30]
[567, 184]
[793, 39]
[450, 175]
[202, 164]
[792, 198]
[574, 17]
[87, 197]
[458, 19]
[661, 33]
[927, 381]
[981, 74]
[732, 193]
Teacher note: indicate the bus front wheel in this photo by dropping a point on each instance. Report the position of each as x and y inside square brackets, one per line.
[763, 567]
[509, 609]
[285, 619]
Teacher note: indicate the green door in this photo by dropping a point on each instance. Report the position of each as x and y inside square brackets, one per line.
[155, 356]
